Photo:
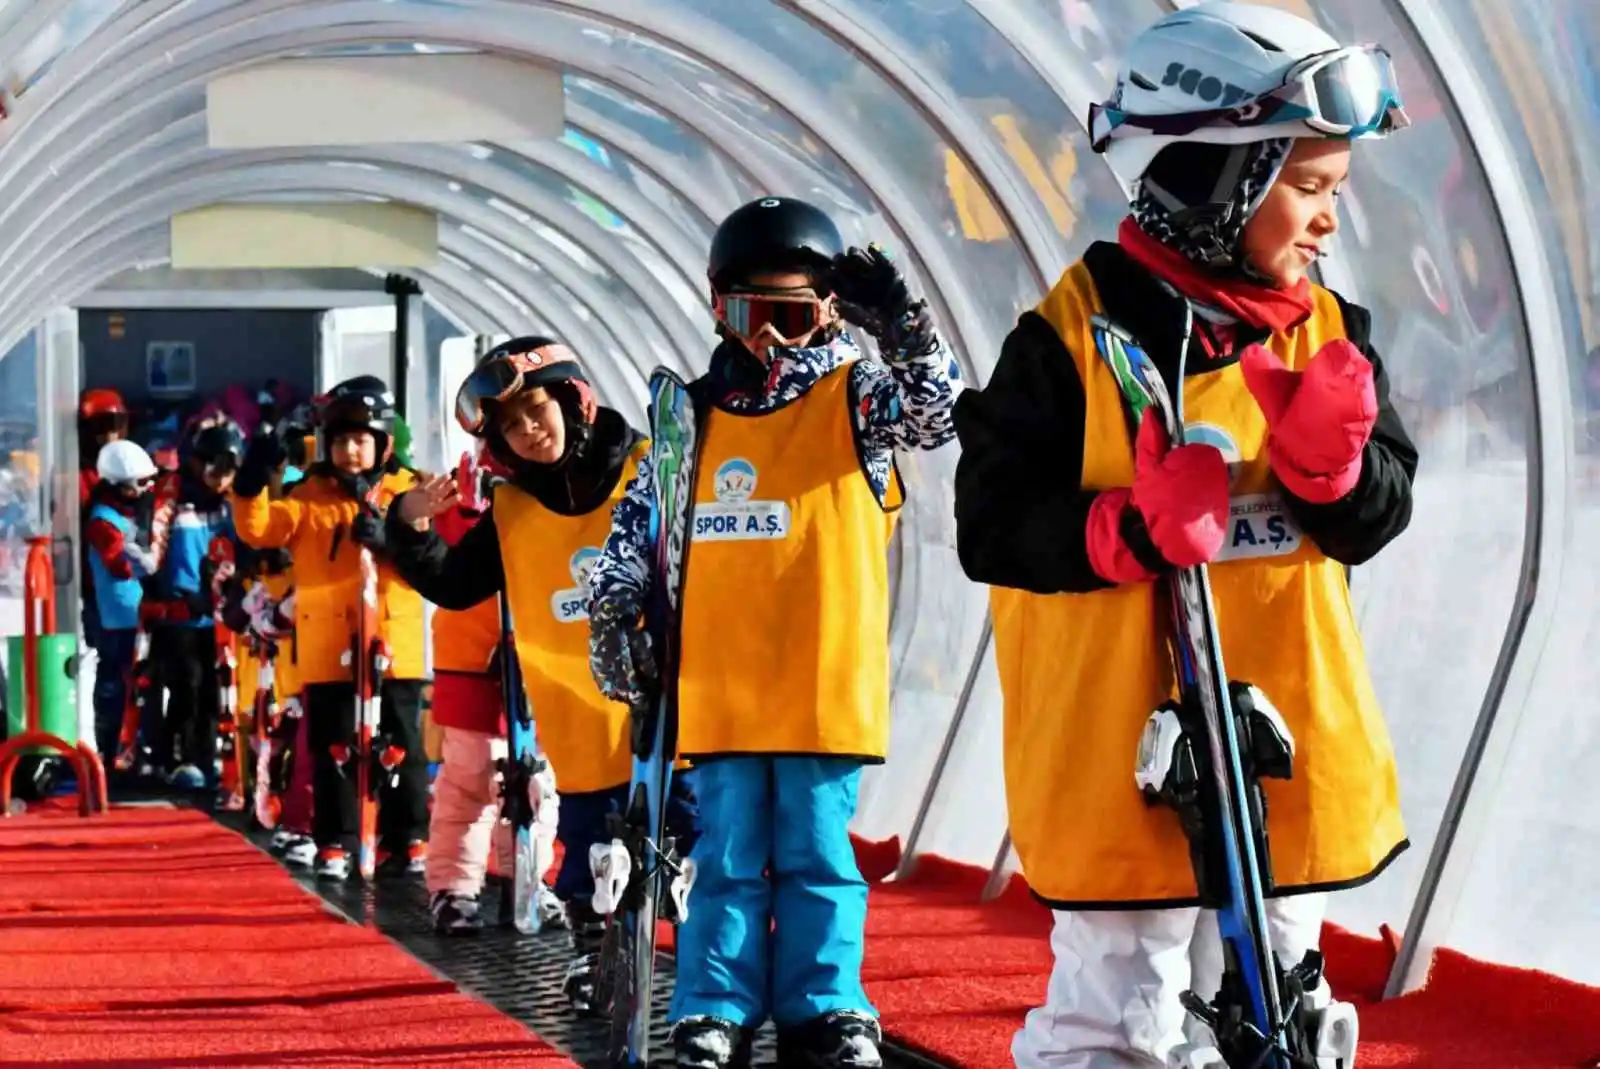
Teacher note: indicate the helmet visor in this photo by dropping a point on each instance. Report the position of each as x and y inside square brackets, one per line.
[1349, 93]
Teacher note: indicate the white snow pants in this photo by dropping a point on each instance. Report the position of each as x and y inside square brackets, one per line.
[1113, 996]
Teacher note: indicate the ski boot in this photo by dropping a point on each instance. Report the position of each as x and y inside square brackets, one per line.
[333, 864]
[1320, 1032]
[711, 1043]
[455, 914]
[843, 1039]
[187, 777]
[301, 852]
[552, 911]
[1328, 1029]
[397, 864]
[582, 979]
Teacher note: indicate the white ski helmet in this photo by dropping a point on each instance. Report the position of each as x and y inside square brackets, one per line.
[1233, 73]
[124, 463]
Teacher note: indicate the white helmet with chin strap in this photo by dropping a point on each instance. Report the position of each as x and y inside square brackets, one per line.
[1233, 73]
[124, 463]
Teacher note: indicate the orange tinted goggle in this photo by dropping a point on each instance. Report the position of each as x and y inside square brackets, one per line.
[789, 318]
[501, 377]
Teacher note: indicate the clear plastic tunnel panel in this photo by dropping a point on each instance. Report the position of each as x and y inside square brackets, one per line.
[1528, 896]
[1420, 246]
[947, 130]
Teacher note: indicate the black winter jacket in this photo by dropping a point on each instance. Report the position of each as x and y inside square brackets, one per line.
[1014, 529]
[461, 576]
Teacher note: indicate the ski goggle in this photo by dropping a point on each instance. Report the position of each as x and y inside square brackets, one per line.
[787, 317]
[1350, 93]
[498, 379]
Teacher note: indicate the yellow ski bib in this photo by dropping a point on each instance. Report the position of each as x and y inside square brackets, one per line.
[786, 606]
[1081, 672]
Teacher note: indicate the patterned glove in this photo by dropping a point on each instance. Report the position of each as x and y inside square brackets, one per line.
[872, 294]
[620, 654]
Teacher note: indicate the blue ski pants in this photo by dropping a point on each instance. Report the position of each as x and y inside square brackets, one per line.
[113, 671]
[778, 911]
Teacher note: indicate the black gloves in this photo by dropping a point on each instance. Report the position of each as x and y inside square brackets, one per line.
[872, 294]
[367, 530]
[265, 455]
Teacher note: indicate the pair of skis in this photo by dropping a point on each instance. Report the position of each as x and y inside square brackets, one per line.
[519, 785]
[274, 734]
[368, 660]
[1227, 736]
[232, 741]
[141, 693]
[639, 879]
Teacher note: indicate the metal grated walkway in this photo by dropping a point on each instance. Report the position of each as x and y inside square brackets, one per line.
[521, 976]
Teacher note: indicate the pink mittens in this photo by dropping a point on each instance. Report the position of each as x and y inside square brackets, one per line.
[1318, 419]
[1181, 495]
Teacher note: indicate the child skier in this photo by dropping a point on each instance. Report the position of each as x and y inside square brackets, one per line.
[468, 705]
[568, 460]
[190, 512]
[117, 531]
[324, 522]
[102, 418]
[795, 495]
[1290, 406]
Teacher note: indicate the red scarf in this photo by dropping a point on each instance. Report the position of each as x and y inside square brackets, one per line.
[1259, 306]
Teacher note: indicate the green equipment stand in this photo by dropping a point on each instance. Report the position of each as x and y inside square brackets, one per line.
[58, 689]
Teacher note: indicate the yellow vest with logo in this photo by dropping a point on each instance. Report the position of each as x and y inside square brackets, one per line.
[785, 622]
[464, 640]
[547, 559]
[1081, 672]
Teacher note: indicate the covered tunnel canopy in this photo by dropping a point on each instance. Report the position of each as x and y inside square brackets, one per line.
[951, 131]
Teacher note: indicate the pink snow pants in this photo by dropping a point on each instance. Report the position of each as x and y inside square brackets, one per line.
[466, 810]
[466, 815]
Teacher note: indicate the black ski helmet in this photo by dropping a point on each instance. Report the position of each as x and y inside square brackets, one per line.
[297, 431]
[773, 234]
[363, 403]
[217, 444]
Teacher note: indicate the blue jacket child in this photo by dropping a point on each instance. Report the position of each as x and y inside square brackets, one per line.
[117, 530]
[191, 513]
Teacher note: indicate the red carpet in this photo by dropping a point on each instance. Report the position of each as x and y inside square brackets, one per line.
[156, 939]
[955, 980]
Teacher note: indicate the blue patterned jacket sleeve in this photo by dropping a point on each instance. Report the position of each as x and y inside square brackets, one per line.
[623, 571]
[905, 403]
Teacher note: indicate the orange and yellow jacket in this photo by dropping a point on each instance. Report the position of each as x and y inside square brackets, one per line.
[313, 523]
